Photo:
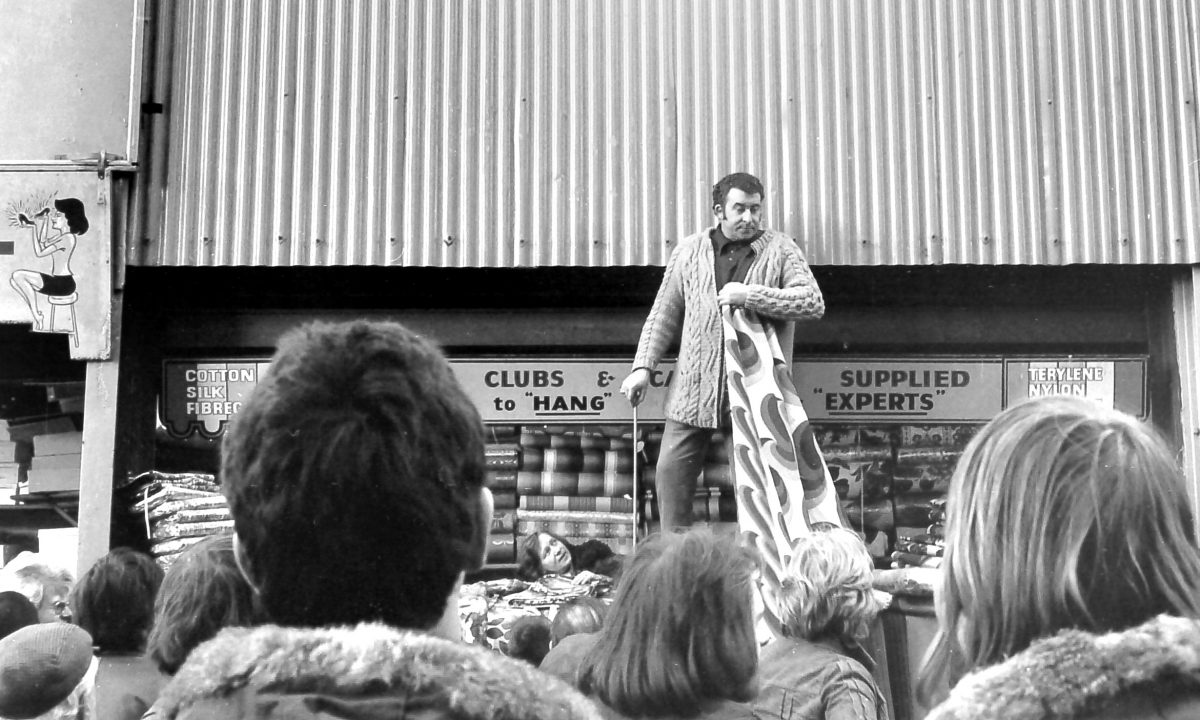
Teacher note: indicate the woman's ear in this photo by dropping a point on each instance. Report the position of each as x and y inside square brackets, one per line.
[477, 552]
[243, 563]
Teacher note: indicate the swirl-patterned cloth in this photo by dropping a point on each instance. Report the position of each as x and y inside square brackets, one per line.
[783, 486]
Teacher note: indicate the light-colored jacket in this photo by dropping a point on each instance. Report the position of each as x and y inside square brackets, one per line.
[685, 310]
[1150, 671]
[367, 671]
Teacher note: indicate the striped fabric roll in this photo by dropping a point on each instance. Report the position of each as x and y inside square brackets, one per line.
[605, 484]
[573, 516]
[500, 480]
[566, 441]
[857, 454]
[505, 499]
[533, 458]
[717, 475]
[503, 456]
[530, 482]
[927, 455]
[576, 503]
[503, 433]
[534, 438]
[708, 505]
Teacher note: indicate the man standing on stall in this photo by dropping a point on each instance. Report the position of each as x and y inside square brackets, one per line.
[735, 263]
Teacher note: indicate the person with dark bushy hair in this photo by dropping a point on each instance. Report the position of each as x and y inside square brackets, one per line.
[114, 603]
[578, 615]
[529, 639]
[354, 475]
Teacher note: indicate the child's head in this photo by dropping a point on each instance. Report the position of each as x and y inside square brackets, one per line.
[578, 615]
[826, 588]
[1063, 513]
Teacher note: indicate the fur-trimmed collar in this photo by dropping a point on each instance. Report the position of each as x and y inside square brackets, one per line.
[1075, 673]
[369, 660]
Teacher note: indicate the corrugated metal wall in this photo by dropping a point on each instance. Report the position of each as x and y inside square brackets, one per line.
[587, 132]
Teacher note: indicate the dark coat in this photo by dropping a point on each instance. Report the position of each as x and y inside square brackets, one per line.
[368, 671]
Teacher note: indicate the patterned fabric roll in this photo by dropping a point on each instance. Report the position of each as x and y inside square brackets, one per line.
[924, 538]
[927, 456]
[858, 478]
[830, 435]
[504, 522]
[569, 528]
[916, 548]
[922, 478]
[504, 456]
[573, 516]
[856, 454]
[500, 480]
[168, 530]
[576, 503]
[618, 461]
[950, 435]
[505, 499]
[502, 548]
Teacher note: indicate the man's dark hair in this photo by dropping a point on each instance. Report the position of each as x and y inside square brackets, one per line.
[16, 612]
[353, 475]
[114, 600]
[745, 182]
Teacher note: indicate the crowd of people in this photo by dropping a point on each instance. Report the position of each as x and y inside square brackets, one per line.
[354, 474]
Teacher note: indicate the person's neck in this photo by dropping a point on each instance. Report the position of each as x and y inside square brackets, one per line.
[449, 627]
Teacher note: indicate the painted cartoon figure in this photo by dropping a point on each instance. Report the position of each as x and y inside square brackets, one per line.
[54, 230]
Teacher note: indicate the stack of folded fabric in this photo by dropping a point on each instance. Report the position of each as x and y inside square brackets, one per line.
[502, 457]
[925, 462]
[177, 510]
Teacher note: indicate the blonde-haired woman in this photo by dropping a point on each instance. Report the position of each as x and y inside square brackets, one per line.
[1071, 578]
[819, 670]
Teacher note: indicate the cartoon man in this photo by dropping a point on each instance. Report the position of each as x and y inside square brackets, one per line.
[735, 263]
[54, 231]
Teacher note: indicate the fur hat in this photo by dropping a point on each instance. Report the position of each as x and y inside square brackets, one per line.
[39, 667]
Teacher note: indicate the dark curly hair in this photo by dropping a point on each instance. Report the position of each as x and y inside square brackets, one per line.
[114, 600]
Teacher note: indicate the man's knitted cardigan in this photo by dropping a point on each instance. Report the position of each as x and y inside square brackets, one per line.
[685, 310]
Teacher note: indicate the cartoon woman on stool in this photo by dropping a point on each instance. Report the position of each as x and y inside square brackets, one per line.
[54, 233]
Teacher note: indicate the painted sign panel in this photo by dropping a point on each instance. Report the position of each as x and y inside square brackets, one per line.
[1115, 383]
[511, 390]
[900, 390]
[70, 72]
[201, 397]
[55, 256]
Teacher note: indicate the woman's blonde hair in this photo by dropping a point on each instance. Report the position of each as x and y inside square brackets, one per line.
[826, 589]
[1061, 514]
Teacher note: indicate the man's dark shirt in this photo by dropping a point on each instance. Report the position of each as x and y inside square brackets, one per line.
[731, 258]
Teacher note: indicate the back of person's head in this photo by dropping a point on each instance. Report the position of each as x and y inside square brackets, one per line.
[40, 666]
[114, 600]
[584, 614]
[203, 591]
[826, 587]
[354, 474]
[16, 612]
[529, 639]
[681, 630]
[1063, 514]
[47, 586]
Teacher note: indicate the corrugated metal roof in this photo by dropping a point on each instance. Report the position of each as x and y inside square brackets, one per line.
[588, 132]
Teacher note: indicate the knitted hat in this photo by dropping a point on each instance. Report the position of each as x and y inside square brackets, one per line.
[39, 667]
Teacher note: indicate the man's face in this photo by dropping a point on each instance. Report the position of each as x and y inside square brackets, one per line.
[741, 216]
